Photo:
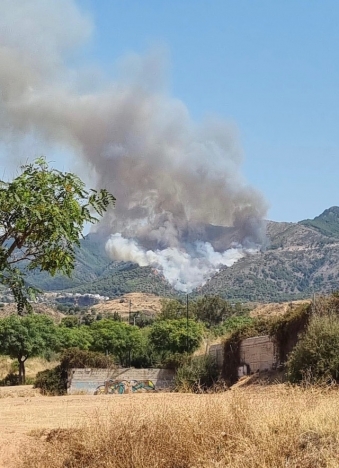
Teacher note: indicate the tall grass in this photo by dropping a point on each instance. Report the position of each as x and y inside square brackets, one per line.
[262, 428]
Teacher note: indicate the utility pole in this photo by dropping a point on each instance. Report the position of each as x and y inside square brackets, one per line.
[129, 323]
[187, 323]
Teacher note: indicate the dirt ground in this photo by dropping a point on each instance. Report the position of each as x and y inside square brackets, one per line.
[24, 413]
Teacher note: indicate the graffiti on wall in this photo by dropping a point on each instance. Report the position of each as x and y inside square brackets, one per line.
[125, 386]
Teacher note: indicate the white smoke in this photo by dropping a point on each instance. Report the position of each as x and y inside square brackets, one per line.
[175, 180]
[184, 271]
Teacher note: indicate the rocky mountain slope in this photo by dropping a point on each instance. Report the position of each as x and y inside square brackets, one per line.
[300, 259]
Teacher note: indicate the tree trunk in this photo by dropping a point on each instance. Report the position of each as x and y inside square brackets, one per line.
[23, 373]
[22, 370]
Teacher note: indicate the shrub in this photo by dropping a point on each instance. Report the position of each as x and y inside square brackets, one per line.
[78, 358]
[315, 358]
[10, 379]
[231, 324]
[197, 374]
[54, 381]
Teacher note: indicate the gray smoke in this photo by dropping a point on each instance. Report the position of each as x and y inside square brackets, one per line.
[175, 181]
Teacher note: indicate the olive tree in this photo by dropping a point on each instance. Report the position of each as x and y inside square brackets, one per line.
[42, 215]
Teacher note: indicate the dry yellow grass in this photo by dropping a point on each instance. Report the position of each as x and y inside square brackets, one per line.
[33, 366]
[39, 308]
[258, 427]
[275, 308]
[148, 303]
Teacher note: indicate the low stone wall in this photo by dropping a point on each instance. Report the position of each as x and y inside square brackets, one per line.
[119, 381]
[217, 352]
[258, 353]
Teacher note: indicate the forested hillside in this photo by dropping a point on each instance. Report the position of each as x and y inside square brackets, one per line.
[299, 259]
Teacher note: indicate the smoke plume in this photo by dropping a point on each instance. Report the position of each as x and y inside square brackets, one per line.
[182, 203]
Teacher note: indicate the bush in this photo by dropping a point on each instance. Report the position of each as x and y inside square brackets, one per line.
[78, 358]
[197, 375]
[54, 381]
[10, 379]
[231, 324]
[315, 358]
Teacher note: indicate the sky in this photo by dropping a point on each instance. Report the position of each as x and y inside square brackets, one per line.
[270, 68]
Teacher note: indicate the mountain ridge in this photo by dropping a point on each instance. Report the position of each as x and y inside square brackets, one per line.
[299, 259]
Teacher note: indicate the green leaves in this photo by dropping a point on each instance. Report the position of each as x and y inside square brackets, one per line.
[29, 336]
[79, 337]
[176, 336]
[42, 215]
[116, 338]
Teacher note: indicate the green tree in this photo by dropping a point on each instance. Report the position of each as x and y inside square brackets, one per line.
[24, 337]
[79, 337]
[172, 309]
[212, 310]
[70, 322]
[175, 336]
[42, 215]
[315, 358]
[117, 338]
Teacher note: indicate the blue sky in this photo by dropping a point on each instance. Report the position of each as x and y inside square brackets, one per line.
[270, 67]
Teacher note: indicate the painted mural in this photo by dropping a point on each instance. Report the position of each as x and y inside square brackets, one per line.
[125, 386]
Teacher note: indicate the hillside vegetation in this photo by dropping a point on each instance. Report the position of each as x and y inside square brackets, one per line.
[327, 223]
[299, 259]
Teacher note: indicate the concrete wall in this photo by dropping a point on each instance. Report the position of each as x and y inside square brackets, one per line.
[217, 351]
[258, 353]
[123, 380]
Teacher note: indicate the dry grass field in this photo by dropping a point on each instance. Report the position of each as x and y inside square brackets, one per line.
[255, 427]
[39, 308]
[33, 366]
[273, 309]
[148, 303]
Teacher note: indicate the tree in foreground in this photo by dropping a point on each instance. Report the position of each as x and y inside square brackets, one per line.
[315, 358]
[25, 337]
[42, 215]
